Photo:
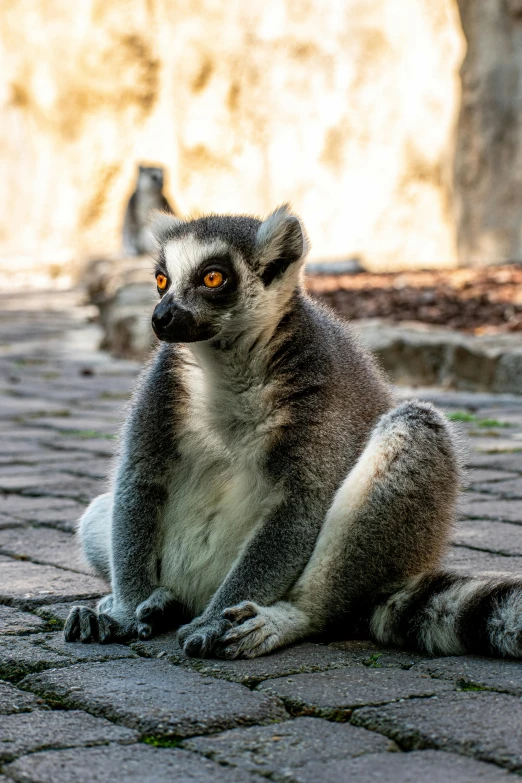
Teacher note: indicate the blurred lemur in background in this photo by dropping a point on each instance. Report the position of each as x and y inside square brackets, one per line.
[268, 487]
[148, 196]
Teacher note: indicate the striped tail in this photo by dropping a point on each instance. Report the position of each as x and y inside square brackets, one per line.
[441, 613]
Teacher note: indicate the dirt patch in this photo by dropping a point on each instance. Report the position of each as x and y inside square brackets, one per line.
[478, 301]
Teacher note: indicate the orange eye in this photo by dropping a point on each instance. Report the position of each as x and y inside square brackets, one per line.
[213, 279]
[161, 282]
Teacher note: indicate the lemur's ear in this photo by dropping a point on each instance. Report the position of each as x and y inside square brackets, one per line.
[281, 243]
[162, 225]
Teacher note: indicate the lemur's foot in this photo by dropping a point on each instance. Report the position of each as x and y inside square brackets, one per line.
[158, 613]
[89, 625]
[244, 631]
[257, 630]
[202, 637]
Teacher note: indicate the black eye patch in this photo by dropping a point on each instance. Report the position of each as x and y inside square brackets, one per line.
[224, 292]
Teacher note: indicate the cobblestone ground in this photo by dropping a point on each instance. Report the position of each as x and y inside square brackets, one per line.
[143, 712]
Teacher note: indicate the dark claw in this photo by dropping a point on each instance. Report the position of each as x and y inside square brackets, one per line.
[194, 646]
[206, 640]
[184, 632]
[144, 630]
[72, 625]
[88, 625]
[107, 628]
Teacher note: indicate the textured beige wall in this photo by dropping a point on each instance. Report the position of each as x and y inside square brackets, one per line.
[345, 107]
[488, 164]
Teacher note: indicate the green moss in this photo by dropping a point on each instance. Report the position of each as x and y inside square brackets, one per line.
[372, 662]
[161, 742]
[470, 686]
[493, 423]
[470, 418]
[461, 416]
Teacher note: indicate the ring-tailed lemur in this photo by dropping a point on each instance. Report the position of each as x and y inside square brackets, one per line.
[147, 196]
[267, 486]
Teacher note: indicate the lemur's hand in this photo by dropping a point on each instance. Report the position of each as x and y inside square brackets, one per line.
[203, 637]
[104, 624]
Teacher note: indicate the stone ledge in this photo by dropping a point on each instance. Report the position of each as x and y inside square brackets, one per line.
[417, 354]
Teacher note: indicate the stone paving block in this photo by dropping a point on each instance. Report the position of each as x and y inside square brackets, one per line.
[307, 657]
[495, 443]
[473, 561]
[80, 652]
[485, 476]
[40, 456]
[65, 519]
[16, 407]
[13, 700]
[510, 461]
[429, 765]
[375, 657]
[65, 442]
[487, 507]
[503, 538]
[63, 485]
[122, 763]
[14, 447]
[43, 730]
[475, 673]
[487, 726]
[155, 697]
[21, 655]
[25, 433]
[27, 585]
[15, 469]
[27, 507]
[279, 751]
[8, 521]
[506, 489]
[43, 545]
[34, 479]
[86, 423]
[98, 468]
[335, 694]
[13, 621]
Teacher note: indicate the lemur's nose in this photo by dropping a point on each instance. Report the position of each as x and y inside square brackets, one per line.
[161, 320]
[163, 314]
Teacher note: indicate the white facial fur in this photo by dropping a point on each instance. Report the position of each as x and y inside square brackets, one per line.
[186, 254]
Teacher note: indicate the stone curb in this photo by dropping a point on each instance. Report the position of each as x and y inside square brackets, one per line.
[417, 354]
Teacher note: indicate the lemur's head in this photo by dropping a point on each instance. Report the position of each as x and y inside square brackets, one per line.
[150, 178]
[225, 274]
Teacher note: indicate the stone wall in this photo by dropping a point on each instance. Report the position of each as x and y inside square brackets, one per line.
[347, 108]
[488, 164]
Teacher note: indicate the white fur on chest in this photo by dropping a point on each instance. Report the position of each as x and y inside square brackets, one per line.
[218, 500]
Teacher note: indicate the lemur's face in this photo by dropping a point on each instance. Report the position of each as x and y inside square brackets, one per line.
[224, 275]
[150, 178]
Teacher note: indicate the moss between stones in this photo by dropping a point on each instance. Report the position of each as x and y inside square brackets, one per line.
[463, 685]
[160, 742]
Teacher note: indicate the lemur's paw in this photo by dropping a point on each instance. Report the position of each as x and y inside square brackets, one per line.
[88, 625]
[202, 637]
[81, 625]
[150, 614]
[112, 629]
[254, 632]
[258, 630]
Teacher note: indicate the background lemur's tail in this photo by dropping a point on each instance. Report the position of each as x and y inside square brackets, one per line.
[449, 614]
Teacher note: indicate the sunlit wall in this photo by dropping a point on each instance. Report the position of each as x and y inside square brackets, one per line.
[345, 107]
